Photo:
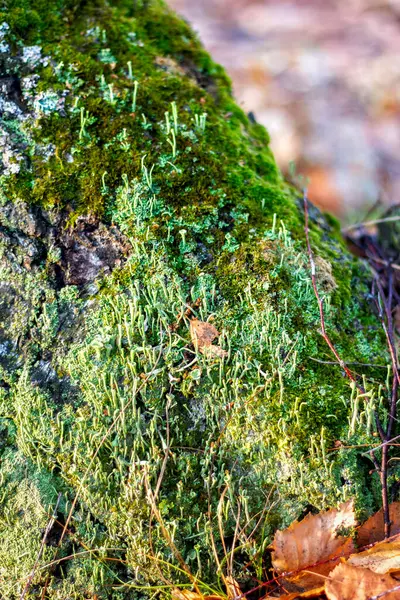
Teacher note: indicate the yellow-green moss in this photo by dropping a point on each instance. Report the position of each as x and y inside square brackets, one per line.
[116, 222]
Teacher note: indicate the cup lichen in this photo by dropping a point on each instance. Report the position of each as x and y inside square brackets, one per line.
[134, 195]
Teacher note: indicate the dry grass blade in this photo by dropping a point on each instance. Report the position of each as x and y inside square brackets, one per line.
[347, 582]
[311, 541]
[367, 224]
[178, 594]
[167, 536]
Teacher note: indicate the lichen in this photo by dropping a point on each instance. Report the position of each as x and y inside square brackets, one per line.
[135, 195]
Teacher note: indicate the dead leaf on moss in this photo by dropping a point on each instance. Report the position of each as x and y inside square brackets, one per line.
[213, 351]
[384, 557]
[373, 529]
[310, 541]
[203, 334]
[347, 582]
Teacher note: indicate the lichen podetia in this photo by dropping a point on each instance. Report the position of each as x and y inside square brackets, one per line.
[135, 194]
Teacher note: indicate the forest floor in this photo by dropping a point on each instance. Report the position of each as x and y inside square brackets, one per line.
[324, 78]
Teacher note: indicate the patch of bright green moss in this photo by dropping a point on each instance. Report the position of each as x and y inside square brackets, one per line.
[126, 122]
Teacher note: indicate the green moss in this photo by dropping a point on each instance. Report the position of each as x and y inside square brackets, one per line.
[119, 222]
[28, 498]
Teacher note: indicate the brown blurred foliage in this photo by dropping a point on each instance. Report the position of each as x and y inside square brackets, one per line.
[324, 77]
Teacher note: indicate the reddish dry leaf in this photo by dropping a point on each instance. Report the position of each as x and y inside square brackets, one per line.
[381, 558]
[312, 541]
[203, 334]
[314, 593]
[352, 583]
[373, 530]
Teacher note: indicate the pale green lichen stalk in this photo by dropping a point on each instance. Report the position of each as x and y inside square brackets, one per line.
[135, 195]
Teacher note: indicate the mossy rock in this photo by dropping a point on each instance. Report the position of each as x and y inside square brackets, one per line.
[136, 195]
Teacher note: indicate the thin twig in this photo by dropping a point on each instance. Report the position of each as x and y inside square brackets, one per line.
[321, 302]
[386, 263]
[359, 364]
[385, 302]
[385, 443]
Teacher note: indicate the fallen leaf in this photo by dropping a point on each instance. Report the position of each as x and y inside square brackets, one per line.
[353, 583]
[384, 557]
[314, 593]
[203, 334]
[214, 351]
[373, 529]
[233, 590]
[312, 541]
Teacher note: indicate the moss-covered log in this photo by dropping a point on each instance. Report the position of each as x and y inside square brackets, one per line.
[134, 196]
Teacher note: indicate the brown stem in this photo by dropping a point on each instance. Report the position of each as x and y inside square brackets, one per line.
[386, 316]
[320, 301]
[388, 327]
[384, 488]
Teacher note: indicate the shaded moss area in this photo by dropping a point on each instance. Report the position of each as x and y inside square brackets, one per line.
[134, 195]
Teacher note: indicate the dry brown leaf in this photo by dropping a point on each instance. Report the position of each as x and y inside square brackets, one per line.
[203, 334]
[233, 590]
[178, 594]
[314, 593]
[213, 351]
[310, 541]
[382, 558]
[352, 583]
[373, 530]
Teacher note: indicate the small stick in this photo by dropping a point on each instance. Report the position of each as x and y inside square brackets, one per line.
[389, 332]
[321, 302]
[388, 328]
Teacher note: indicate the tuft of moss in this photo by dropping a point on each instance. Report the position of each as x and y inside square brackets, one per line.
[135, 194]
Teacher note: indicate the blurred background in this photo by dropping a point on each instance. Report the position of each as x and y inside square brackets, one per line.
[324, 77]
